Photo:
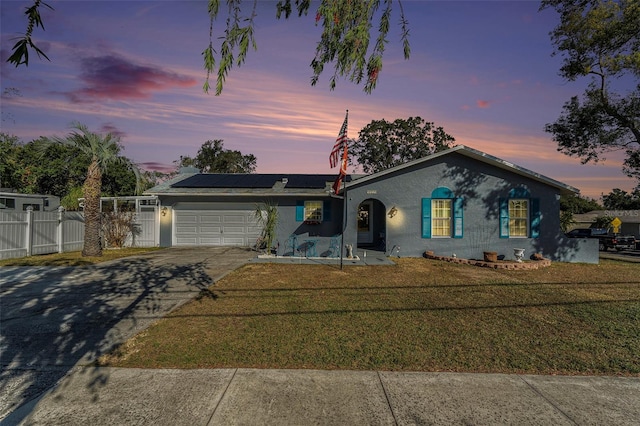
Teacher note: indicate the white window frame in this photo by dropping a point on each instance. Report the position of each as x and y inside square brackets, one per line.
[513, 208]
[440, 220]
[5, 200]
[313, 211]
[34, 206]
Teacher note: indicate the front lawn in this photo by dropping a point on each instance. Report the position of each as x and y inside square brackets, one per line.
[419, 315]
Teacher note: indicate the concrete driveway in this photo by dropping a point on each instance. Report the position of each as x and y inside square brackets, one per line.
[54, 318]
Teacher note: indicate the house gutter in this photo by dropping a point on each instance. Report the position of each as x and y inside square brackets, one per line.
[243, 194]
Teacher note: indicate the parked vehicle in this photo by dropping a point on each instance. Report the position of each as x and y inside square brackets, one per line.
[606, 240]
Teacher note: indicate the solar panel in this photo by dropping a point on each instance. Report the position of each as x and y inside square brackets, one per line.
[253, 180]
[309, 181]
[228, 181]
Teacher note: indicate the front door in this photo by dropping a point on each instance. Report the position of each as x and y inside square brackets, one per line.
[365, 222]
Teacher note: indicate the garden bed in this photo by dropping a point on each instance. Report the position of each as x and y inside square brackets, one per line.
[499, 264]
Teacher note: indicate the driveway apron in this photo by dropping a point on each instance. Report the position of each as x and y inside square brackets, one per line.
[54, 318]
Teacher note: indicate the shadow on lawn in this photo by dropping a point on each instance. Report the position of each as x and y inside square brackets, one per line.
[385, 288]
[55, 318]
[480, 307]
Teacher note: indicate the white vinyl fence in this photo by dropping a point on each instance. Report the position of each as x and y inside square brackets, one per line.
[148, 226]
[30, 233]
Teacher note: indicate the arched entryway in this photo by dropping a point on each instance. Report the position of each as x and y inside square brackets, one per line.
[372, 225]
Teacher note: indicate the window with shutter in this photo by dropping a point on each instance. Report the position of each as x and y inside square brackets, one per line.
[442, 215]
[519, 215]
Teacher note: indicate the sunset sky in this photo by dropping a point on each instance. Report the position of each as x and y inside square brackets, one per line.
[481, 70]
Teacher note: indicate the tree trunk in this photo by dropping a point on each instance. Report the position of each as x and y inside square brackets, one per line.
[92, 218]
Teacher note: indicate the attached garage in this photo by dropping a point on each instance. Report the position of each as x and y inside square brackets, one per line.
[215, 228]
[214, 209]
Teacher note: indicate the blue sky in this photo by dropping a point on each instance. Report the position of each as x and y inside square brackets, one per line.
[481, 70]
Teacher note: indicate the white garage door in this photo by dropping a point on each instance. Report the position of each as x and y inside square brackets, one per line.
[215, 228]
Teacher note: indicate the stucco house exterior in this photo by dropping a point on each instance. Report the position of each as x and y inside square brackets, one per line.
[460, 201]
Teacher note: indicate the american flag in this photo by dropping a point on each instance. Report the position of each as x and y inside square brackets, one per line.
[341, 143]
[343, 171]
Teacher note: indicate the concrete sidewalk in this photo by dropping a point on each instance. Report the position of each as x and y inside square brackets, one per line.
[112, 396]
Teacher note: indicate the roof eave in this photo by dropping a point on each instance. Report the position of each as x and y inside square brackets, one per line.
[240, 194]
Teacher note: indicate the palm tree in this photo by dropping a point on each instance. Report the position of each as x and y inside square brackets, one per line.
[103, 151]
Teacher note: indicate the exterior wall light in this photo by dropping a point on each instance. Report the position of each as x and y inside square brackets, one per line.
[163, 211]
[393, 212]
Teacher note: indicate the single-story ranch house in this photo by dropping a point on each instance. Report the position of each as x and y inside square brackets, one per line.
[459, 202]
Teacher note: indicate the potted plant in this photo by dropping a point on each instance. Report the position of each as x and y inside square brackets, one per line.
[490, 256]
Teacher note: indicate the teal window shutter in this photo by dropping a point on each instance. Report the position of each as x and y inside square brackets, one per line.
[299, 211]
[534, 212]
[504, 218]
[458, 205]
[326, 211]
[426, 218]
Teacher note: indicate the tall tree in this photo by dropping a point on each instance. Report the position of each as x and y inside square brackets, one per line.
[213, 158]
[64, 168]
[103, 151]
[119, 181]
[599, 39]
[382, 144]
[346, 35]
[622, 200]
[22, 169]
[9, 149]
[577, 204]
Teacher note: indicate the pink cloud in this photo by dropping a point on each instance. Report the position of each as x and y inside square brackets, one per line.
[111, 128]
[112, 77]
[483, 104]
[153, 166]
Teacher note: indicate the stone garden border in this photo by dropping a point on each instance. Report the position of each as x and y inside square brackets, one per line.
[510, 265]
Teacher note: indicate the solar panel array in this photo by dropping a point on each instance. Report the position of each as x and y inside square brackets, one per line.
[254, 180]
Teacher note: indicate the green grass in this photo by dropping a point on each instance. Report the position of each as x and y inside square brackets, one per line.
[419, 315]
[74, 258]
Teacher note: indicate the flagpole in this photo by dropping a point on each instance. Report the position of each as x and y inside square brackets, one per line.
[342, 143]
[344, 223]
[346, 202]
